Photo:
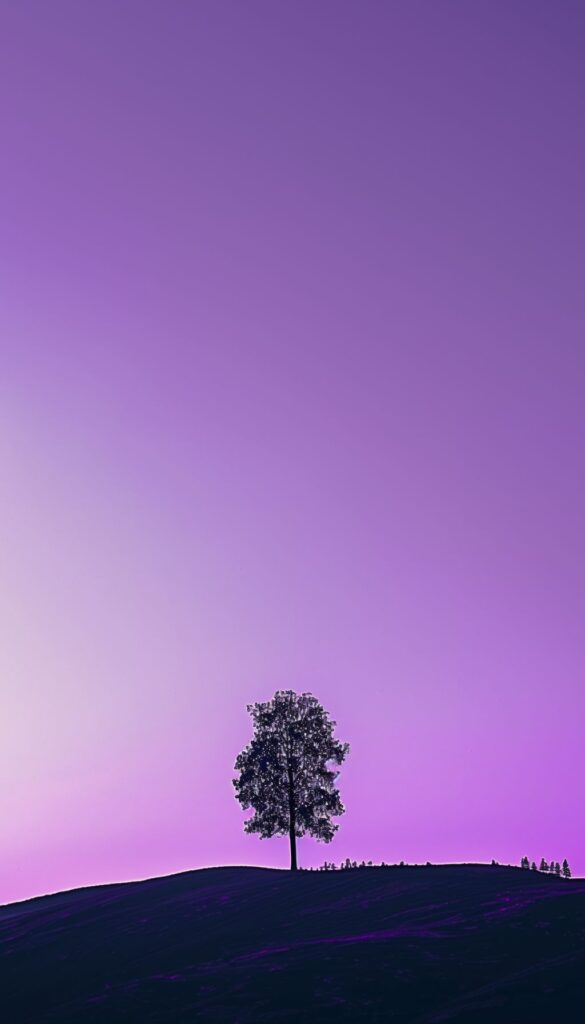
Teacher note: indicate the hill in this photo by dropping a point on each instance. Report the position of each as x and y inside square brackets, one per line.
[250, 945]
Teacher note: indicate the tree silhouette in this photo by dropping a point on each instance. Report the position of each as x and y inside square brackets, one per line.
[285, 773]
[557, 868]
[533, 867]
[566, 869]
[525, 863]
[543, 865]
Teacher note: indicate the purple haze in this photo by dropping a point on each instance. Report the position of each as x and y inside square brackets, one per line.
[291, 395]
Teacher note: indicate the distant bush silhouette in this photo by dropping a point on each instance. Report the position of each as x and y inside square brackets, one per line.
[554, 868]
[525, 863]
[350, 865]
[284, 772]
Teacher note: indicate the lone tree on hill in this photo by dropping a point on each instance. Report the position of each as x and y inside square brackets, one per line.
[285, 773]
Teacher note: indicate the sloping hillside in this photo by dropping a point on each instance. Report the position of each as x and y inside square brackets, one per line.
[248, 945]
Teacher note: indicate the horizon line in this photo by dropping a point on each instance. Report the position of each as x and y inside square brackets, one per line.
[284, 870]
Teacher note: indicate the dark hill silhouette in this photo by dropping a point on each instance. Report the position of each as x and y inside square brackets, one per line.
[243, 945]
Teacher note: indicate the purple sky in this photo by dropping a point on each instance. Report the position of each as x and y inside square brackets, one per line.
[291, 395]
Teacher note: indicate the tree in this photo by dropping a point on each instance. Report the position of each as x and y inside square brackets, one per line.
[566, 869]
[543, 865]
[533, 867]
[285, 773]
[557, 868]
[525, 863]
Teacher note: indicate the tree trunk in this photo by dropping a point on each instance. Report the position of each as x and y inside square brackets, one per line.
[292, 822]
[293, 850]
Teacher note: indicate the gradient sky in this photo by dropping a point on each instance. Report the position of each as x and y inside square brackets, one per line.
[291, 395]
